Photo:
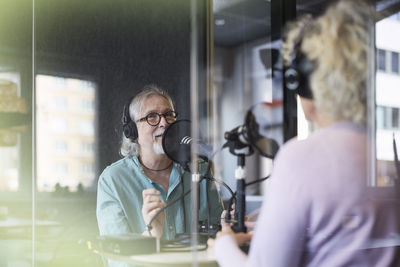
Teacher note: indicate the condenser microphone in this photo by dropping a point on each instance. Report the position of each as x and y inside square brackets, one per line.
[239, 136]
[250, 135]
[177, 142]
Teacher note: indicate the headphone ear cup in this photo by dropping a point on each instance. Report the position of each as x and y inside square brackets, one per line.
[292, 79]
[297, 75]
[129, 127]
[305, 68]
[134, 131]
[127, 130]
[130, 130]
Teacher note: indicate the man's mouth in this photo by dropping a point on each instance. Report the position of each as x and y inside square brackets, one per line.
[158, 135]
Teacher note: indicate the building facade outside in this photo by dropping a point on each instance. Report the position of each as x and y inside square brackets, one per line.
[387, 97]
[65, 133]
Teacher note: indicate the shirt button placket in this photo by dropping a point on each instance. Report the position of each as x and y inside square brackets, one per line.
[171, 227]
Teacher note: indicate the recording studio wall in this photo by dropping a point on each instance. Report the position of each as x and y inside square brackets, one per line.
[122, 46]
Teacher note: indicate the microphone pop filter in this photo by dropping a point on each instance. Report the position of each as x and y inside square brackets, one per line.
[171, 142]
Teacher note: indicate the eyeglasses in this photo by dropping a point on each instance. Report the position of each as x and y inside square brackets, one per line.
[154, 118]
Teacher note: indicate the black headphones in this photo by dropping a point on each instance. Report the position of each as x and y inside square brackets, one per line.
[128, 125]
[297, 75]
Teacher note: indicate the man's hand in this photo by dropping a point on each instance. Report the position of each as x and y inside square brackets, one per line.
[152, 203]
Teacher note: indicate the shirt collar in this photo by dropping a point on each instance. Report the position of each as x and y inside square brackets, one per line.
[174, 178]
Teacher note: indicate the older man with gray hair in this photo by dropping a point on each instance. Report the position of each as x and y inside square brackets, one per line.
[133, 189]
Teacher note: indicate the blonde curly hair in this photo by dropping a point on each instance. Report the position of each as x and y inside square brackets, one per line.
[338, 43]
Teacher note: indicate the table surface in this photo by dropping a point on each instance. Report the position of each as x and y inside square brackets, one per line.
[18, 223]
[205, 258]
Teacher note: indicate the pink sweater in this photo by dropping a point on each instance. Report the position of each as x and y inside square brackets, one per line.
[319, 211]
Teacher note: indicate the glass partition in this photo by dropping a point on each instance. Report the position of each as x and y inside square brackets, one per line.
[246, 77]
[69, 67]
[247, 70]
[16, 209]
[66, 157]
[91, 58]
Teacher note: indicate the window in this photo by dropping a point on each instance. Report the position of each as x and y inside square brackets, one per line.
[87, 105]
[59, 103]
[395, 118]
[87, 148]
[56, 83]
[380, 117]
[86, 128]
[395, 62]
[87, 168]
[61, 147]
[64, 137]
[381, 59]
[60, 168]
[87, 86]
[387, 118]
[59, 125]
[387, 97]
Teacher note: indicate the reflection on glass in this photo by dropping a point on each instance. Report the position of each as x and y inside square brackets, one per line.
[12, 104]
[16, 244]
[65, 133]
[387, 98]
[9, 168]
[245, 59]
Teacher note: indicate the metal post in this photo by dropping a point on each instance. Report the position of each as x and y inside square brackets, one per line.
[240, 209]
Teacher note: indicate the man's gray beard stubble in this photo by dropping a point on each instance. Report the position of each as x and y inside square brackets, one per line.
[158, 148]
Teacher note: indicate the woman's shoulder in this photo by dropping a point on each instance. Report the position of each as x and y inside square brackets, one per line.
[324, 139]
[295, 153]
[292, 148]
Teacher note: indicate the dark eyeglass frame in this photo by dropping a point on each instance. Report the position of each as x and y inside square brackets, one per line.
[165, 114]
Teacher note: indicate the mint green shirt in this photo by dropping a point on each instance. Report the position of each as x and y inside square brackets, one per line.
[119, 199]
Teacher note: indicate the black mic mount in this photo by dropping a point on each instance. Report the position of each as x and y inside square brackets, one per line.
[237, 139]
[246, 136]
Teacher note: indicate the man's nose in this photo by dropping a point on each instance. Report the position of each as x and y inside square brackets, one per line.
[163, 121]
